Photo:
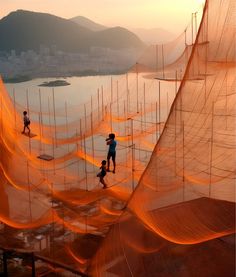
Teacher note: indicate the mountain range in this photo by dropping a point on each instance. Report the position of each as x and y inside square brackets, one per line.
[88, 23]
[25, 30]
[149, 36]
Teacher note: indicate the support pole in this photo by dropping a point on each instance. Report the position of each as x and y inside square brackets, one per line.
[85, 165]
[102, 105]
[133, 150]
[163, 61]
[192, 26]
[85, 119]
[27, 98]
[14, 100]
[156, 57]
[159, 108]
[67, 128]
[54, 115]
[40, 120]
[28, 181]
[176, 82]
[92, 131]
[98, 99]
[117, 98]
[111, 116]
[137, 87]
[156, 123]
[211, 148]
[144, 106]
[183, 177]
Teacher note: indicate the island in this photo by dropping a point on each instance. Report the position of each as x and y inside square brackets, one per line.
[56, 83]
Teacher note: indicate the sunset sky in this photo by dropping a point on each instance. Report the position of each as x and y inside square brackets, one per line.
[172, 15]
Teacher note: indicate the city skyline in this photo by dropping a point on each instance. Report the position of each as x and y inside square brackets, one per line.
[135, 14]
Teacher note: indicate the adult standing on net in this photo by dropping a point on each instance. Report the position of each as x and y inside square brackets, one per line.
[111, 152]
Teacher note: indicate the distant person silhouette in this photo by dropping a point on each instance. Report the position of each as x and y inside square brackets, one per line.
[26, 121]
[102, 173]
[111, 152]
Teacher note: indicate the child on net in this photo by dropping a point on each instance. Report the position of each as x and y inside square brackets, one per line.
[102, 173]
[26, 121]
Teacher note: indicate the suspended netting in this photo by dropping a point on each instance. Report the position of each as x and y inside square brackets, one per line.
[185, 198]
[51, 200]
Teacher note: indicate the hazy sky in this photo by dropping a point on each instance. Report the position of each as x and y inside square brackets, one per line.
[172, 15]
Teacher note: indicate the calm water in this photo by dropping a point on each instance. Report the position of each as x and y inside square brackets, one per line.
[80, 90]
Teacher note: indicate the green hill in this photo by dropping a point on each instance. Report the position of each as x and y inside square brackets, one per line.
[25, 30]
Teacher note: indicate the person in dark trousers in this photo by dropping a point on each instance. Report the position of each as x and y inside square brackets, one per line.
[102, 173]
[26, 122]
[111, 152]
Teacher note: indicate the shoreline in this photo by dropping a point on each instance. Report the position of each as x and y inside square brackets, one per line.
[25, 78]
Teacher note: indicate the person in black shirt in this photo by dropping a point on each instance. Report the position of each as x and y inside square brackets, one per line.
[102, 173]
[26, 121]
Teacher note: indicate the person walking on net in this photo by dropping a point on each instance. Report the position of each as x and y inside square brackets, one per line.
[111, 152]
[102, 173]
[26, 121]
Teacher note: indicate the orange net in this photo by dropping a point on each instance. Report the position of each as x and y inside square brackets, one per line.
[173, 190]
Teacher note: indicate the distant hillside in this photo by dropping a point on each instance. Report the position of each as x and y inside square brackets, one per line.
[24, 30]
[153, 36]
[114, 36]
[85, 22]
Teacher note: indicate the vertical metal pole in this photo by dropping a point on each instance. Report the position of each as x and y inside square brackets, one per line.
[98, 98]
[127, 94]
[192, 27]
[211, 148]
[85, 165]
[137, 87]
[28, 181]
[27, 96]
[144, 106]
[54, 115]
[117, 98]
[141, 121]
[111, 116]
[167, 103]
[159, 108]
[183, 177]
[163, 61]
[14, 99]
[67, 129]
[92, 131]
[77, 150]
[81, 136]
[68, 146]
[111, 90]
[40, 120]
[102, 105]
[133, 151]
[156, 57]
[157, 127]
[85, 119]
[175, 141]
[195, 24]
[176, 82]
